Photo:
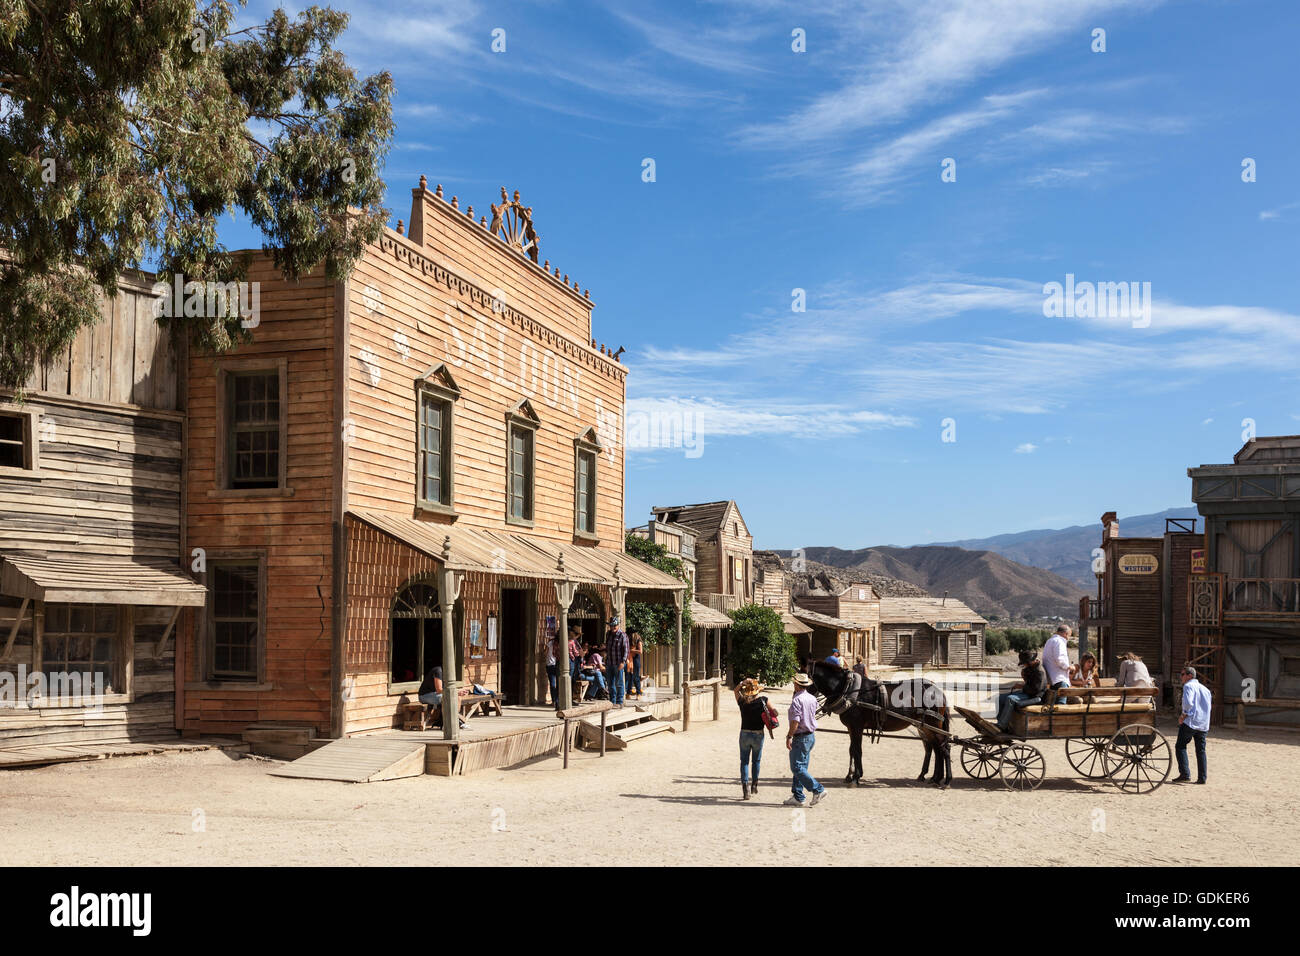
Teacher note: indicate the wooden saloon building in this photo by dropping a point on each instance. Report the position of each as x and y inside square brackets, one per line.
[421, 463]
[91, 540]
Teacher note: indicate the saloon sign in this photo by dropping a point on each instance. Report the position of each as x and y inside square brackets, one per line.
[1138, 564]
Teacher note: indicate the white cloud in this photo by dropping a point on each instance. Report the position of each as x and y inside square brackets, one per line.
[1026, 448]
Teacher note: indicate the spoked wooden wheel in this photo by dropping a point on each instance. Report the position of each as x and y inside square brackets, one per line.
[1022, 767]
[981, 760]
[1138, 759]
[1087, 755]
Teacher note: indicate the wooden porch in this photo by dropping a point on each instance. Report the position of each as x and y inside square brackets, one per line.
[37, 755]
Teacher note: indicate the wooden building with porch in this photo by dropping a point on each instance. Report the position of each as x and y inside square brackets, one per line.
[91, 540]
[1141, 602]
[852, 613]
[1244, 595]
[724, 551]
[930, 632]
[419, 466]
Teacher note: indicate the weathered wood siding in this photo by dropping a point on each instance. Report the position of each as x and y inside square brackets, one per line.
[924, 645]
[293, 529]
[405, 316]
[1137, 602]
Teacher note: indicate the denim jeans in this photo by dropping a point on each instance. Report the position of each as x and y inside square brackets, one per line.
[433, 698]
[1185, 736]
[800, 754]
[634, 676]
[597, 683]
[751, 750]
[616, 685]
[1008, 702]
[554, 683]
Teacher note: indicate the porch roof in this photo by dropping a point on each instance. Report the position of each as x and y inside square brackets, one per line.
[98, 579]
[502, 552]
[704, 616]
[825, 620]
[793, 625]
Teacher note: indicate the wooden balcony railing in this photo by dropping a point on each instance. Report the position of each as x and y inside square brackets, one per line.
[1261, 597]
[724, 602]
[1094, 609]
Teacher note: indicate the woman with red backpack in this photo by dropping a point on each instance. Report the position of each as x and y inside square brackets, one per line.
[756, 715]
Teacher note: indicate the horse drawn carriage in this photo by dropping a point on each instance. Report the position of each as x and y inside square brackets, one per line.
[1109, 732]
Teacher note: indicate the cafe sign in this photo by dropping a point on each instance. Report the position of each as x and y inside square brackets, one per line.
[1138, 564]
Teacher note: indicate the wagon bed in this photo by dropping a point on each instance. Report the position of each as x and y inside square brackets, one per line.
[1109, 734]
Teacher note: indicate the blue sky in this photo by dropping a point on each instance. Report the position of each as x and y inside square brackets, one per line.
[777, 170]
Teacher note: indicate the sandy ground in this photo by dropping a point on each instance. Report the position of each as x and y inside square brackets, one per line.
[669, 799]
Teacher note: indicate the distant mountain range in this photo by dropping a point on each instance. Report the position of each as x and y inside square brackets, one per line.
[1068, 551]
[1020, 576]
[998, 588]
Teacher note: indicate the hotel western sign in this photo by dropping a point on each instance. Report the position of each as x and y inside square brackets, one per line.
[1138, 564]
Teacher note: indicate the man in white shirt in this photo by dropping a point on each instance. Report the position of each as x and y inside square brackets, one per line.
[1056, 658]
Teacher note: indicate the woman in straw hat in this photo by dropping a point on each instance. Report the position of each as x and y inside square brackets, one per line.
[752, 709]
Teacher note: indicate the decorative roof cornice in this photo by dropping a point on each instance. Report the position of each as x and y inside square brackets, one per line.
[404, 251]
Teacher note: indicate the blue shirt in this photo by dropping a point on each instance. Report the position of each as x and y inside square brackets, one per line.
[1196, 705]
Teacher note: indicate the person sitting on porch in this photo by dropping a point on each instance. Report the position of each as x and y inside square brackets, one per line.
[1025, 692]
[593, 669]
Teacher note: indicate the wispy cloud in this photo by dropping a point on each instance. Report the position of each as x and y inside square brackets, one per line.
[1026, 448]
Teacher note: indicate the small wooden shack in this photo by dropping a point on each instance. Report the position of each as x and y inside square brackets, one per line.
[931, 632]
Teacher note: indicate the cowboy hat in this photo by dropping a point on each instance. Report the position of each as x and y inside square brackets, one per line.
[802, 680]
[749, 688]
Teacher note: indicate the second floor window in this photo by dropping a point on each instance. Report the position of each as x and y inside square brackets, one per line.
[586, 453]
[521, 433]
[18, 441]
[435, 449]
[254, 429]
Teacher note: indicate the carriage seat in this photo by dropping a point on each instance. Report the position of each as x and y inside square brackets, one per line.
[1138, 705]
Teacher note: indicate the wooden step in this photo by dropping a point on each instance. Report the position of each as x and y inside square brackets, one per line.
[359, 760]
[637, 731]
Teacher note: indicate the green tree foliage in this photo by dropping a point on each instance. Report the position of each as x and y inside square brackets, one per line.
[657, 623]
[998, 640]
[760, 647]
[128, 128]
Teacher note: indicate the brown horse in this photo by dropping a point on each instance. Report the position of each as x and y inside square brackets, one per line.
[917, 698]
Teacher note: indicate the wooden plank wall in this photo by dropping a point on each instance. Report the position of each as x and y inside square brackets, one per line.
[471, 251]
[402, 322]
[923, 645]
[149, 715]
[1137, 601]
[293, 531]
[109, 484]
[126, 358]
[737, 543]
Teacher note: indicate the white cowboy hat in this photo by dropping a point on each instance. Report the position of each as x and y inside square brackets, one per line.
[802, 680]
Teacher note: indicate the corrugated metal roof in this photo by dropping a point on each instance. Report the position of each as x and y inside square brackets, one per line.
[99, 579]
[926, 610]
[500, 552]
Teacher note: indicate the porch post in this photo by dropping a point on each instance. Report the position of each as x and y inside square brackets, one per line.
[717, 652]
[564, 597]
[449, 585]
[677, 671]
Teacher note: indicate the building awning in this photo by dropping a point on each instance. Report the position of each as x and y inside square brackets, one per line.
[704, 616]
[818, 619]
[501, 552]
[96, 579]
[793, 625]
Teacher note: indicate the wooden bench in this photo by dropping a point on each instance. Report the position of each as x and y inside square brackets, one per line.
[1264, 704]
[481, 705]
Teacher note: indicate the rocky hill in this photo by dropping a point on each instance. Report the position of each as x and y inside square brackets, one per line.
[996, 587]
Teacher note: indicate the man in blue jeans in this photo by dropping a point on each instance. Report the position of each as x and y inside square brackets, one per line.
[616, 650]
[1193, 724]
[799, 741]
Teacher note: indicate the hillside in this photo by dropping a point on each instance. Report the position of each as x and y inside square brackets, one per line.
[1068, 551]
[993, 585]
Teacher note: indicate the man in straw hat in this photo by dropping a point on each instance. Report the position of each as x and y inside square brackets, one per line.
[799, 741]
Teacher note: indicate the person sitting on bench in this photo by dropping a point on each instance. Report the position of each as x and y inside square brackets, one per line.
[430, 693]
[1025, 692]
[593, 670]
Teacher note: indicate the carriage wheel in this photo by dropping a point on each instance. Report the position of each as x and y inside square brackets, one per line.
[980, 760]
[1022, 767]
[1138, 759]
[1088, 756]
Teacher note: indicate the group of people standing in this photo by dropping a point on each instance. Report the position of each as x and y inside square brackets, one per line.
[758, 715]
[612, 670]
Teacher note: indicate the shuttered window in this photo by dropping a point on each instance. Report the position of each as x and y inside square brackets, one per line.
[520, 478]
[586, 492]
[435, 449]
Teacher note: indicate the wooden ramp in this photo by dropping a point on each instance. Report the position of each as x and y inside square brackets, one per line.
[359, 760]
[621, 728]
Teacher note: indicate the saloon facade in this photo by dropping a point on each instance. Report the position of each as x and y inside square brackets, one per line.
[422, 457]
